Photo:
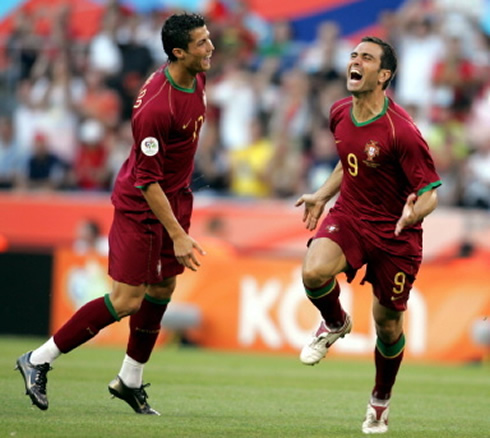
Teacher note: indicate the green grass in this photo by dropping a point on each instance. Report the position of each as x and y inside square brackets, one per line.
[204, 393]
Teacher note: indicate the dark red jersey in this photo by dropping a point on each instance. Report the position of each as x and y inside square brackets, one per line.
[383, 160]
[166, 122]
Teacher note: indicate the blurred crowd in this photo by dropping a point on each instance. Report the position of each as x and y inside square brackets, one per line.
[66, 103]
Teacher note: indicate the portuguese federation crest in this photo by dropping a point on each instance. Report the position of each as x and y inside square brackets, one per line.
[371, 149]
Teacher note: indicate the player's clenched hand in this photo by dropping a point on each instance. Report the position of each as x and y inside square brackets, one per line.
[408, 216]
[185, 252]
[314, 207]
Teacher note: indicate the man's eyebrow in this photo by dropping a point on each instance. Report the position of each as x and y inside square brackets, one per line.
[354, 52]
[204, 38]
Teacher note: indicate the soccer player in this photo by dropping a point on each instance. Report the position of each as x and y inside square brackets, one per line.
[149, 240]
[386, 183]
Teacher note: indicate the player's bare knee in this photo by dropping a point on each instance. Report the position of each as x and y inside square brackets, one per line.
[161, 293]
[389, 331]
[163, 290]
[314, 277]
[132, 307]
[125, 306]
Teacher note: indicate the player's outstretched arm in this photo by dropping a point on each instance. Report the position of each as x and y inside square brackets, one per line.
[315, 203]
[416, 209]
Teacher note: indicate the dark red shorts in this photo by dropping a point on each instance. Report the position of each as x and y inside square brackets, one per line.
[391, 263]
[140, 249]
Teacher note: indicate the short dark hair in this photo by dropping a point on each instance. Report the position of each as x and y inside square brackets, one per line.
[389, 59]
[176, 32]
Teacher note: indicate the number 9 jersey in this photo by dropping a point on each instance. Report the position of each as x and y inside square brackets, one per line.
[384, 160]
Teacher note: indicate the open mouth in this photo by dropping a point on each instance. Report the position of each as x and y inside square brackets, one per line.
[355, 75]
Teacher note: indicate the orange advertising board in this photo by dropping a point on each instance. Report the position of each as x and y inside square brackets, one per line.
[258, 304]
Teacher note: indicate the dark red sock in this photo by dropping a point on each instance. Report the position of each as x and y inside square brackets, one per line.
[144, 328]
[85, 324]
[388, 359]
[326, 300]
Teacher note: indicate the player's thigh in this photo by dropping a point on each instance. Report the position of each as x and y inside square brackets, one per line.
[324, 259]
[134, 248]
[392, 279]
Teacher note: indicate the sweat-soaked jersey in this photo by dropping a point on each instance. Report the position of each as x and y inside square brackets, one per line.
[384, 160]
[166, 121]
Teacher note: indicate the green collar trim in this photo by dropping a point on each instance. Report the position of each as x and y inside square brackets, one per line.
[172, 82]
[367, 122]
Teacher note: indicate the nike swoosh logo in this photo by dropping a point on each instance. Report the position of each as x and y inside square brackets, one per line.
[396, 298]
[337, 141]
[187, 124]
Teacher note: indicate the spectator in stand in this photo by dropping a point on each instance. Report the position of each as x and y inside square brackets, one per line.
[290, 124]
[25, 118]
[323, 100]
[292, 111]
[10, 157]
[249, 165]
[258, 27]
[89, 238]
[389, 28]
[44, 169]
[282, 47]
[237, 40]
[419, 46]
[100, 102]
[450, 149]
[322, 158]
[477, 179]
[136, 64]
[286, 168]
[125, 46]
[148, 34]
[212, 169]
[104, 54]
[324, 62]
[328, 53]
[90, 167]
[135, 56]
[119, 142]
[234, 95]
[455, 80]
[23, 45]
[476, 182]
[56, 94]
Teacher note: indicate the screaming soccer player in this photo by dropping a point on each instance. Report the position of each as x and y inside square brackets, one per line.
[385, 181]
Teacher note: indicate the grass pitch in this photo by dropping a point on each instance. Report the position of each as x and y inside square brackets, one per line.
[203, 393]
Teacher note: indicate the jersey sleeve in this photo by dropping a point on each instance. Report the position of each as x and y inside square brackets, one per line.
[149, 143]
[416, 160]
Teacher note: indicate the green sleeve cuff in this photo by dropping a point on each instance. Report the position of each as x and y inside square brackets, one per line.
[429, 187]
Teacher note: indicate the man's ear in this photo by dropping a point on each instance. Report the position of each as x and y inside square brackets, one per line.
[178, 53]
[385, 75]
